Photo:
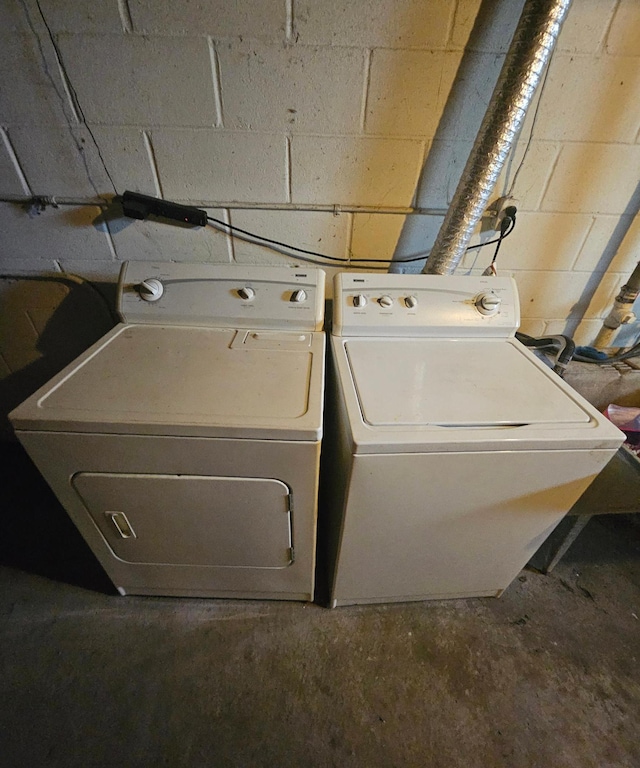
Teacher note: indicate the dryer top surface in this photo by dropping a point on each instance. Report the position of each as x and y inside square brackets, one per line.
[168, 380]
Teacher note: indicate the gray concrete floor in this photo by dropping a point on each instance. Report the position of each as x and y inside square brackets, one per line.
[545, 676]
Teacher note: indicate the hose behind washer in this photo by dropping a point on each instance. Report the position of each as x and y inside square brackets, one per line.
[565, 349]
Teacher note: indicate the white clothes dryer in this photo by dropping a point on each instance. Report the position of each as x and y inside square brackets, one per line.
[454, 451]
[185, 444]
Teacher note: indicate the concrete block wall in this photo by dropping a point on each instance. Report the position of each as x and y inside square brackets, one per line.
[316, 104]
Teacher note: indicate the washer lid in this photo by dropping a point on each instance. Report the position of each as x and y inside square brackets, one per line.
[429, 382]
[171, 380]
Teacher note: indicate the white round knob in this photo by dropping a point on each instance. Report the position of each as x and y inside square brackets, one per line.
[385, 301]
[359, 300]
[298, 296]
[411, 302]
[488, 303]
[150, 289]
[246, 293]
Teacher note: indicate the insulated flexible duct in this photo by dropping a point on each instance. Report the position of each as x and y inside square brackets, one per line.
[532, 43]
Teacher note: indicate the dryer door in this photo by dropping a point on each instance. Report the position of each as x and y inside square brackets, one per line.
[191, 520]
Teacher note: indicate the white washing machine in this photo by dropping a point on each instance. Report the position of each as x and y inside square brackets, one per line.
[454, 450]
[185, 444]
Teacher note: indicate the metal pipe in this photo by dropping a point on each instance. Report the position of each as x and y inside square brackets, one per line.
[532, 43]
[397, 210]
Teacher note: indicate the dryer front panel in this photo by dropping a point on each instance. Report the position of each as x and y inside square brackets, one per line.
[233, 522]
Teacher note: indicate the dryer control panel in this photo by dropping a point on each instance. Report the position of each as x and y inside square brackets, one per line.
[222, 295]
[424, 305]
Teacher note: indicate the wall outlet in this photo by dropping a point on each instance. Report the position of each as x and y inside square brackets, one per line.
[494, 214]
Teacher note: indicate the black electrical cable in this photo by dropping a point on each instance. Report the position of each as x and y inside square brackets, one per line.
[506, 225]
[231, 228]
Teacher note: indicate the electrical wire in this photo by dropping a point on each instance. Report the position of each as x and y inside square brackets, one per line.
[232, 230]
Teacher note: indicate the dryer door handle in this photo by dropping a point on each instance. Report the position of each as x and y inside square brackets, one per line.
[122, 525]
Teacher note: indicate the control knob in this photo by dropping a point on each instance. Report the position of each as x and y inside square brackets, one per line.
[385, 301]
[150, 289]
[246, 293]
[359, 300]
[488, 303]
[298, 296]
[411, 302]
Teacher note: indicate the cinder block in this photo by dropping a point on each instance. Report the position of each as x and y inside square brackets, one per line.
[22, 300]
[583, 332]
[217, 18]
[378, 23]
[545, 295]
[159, 241]
[585, 26]
[131, 80]
[590, 99]
[539, 159]
[467, 104]
[613, 244]
[463, 20]
[603, 299]
[272, 87]
[65, 232]
[443, 166]
[323, 233]
[593, 178]
[408, 90]
[492, 32]
[542, 241]
[363, 171]
[10, 182]
[416, 239]
[532, 327]
[29, 96]
[45, 322]
[220, 166]
[582, 31]
[375, 236]
[60, 161]
[624, 33]
[15, 16]
[100, 273]
[127, 157]
[78, 16]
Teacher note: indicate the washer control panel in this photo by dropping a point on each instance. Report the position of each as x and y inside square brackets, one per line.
[222, 296]
[424, 305]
